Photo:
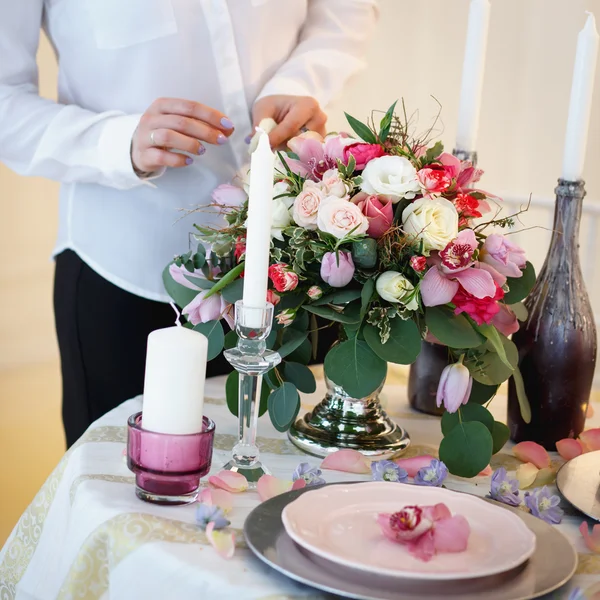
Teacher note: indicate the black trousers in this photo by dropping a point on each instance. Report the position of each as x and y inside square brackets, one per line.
[102, 334]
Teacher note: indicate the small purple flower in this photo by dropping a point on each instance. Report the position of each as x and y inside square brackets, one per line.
[544, 505]
[433, 475]
[577, 594]
[504, 489]
[208, 513]
[388, 470]
[311, 475]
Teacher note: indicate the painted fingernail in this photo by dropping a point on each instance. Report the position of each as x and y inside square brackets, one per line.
[226, 123]
[248, 138]
[189, 161]
[201, 149]
[221, 139]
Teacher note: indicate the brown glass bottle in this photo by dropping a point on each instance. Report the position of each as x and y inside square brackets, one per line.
[557, 343]
[424, 377]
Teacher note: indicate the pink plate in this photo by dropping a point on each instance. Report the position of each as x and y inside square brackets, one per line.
[338, 523]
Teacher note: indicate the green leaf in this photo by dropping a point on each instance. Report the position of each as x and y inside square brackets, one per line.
[467, 413]
[226, 279]
[232, 391]
[524, 405]
[353, 365]
[300, 322]
[330, 314]
[481, 393]
[519, 287]
[204, 284]
[301, 376]
[337, 297]
[467, 449]
[452, 330]
[491, 333]
[181, 295]
[365, 297]
[233, 292]
[500, 435]
[271, 379]
[361, 130]
[386, 123]
[400, 206]
[489, 369]
[213, 330]
[199, 258]
[231, 340]
[302, 354]
[404, 343]
[284, 406]
[433, 152]
[292, 339]
[520, 311]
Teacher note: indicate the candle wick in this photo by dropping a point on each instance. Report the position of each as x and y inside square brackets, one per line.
[177, 313]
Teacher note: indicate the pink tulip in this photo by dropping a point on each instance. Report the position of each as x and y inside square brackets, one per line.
[337, 269]
[201, 310]
[379, 210]
[178, 274]
[229, 195]
[363, 153]
[505, 256]
[454, 388]
[505, 321]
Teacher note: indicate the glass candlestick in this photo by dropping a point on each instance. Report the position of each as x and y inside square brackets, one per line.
[251, 359]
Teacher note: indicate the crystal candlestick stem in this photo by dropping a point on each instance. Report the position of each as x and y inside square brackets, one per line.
[251, 359]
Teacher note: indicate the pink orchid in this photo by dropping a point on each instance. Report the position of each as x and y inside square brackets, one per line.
[505, 256]
[505, 321]
[414, 464]
[533, 453]
[229, 481]
[268, 486]
[590, 439]
[349, 461]
[316, 154]
[591, 541]
[217, 497]
[569, 448]
[222, 541]
[462, 171]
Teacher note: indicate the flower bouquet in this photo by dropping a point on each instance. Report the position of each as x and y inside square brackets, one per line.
[381, 234]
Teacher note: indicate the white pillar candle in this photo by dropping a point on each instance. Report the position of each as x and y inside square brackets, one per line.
[472, 75]
[258, 227]
[174, 383]
[580, 106]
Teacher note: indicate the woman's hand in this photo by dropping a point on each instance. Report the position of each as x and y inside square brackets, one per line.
[292, 114]
[174, 124]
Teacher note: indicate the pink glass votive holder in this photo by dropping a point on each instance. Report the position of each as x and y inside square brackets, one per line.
[168, 467]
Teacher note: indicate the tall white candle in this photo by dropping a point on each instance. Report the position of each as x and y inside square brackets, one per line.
[174, 383]
[580, 105]
[472, 75]
[258, 228]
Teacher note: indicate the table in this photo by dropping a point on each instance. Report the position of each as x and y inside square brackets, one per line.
[87, 536]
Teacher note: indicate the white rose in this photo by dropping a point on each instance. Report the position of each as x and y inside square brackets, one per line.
[281, 218]
[433, 220]
[306, 205]
[394, 287]
[390, 176]
[281, 188]
[340, 217]
[333, 185]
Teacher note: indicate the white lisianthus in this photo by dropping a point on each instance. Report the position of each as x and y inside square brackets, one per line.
[306, 205]
[281, 188]
[391, 176]
[281, 218]
[333, 185]
[340, 217]
[433, 220]
[394, 287]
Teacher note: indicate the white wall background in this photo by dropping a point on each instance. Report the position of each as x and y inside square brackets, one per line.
[417, 53]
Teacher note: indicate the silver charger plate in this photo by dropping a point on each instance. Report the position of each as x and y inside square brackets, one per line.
[551, 566]
[578, 480]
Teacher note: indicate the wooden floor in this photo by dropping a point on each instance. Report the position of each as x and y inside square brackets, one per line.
[31, 436]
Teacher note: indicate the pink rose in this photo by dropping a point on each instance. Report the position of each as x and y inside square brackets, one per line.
[229, 195]
[339, 217]
[286, 317]
[333, 185]
[418, 263]
[378, 210]
[306, 205]
[337, 270]
[505, 256]
[314, 292]
[273, 298]
[434, 181]
[363, 153]
[201, 310]
[283, 278]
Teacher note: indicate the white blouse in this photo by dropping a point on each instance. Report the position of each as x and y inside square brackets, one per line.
[115, 58]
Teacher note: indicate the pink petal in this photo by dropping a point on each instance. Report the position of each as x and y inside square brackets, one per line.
[533, 453]
[569, 448]
[306, 146]
[451, 535]
[349, 461]
[437, 512]
[526, 474]
[178, 274]
[590, 439]
[505, 320]
[467, 236]
[222, 541]
[412, 465]
[545, 476]
[496, 276]
[229, 481]
[268, 487]
[299, 484]
[486, 472]
[437, 289]
[383, 520]
[423, 547]
[590, 411]
[591, 541]
[216, 497]
[477, 282]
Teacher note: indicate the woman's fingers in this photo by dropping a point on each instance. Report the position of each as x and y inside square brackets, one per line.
[192, 128]
[160, 158]
[167, 138]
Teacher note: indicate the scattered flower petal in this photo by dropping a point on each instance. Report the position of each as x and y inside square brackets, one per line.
[434, 474]
[229, 481]
[217, 497]
[423, 547]
[299, 484]
[268, 487]
[590, 411]
[569, 448]
[544, 505]
[451, 535]
[349, 461]
[532, 453]
[311, 475]
[486, 472]
[590, 439]
[208, 513]
[526, 475]
[405, 525]
[591, 541]
[222, 541]
[545, 477]
[504, 489]
[388, 470]
[412, 465]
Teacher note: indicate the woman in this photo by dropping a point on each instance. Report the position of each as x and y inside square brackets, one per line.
[156, 101]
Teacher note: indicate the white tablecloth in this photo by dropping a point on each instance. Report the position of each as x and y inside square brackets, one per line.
[87, 536]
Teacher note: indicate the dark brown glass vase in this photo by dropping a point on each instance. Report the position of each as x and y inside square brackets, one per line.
[424, 378]
[557, 343]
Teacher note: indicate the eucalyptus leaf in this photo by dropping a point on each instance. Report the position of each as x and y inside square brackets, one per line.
[228, 278]
[180, 294]
[467, 449]
[468, 412]
[489, 368]
[519, 287]
[230, 341]
[491, 333]
[520, 311]
[403, 345]
[361, 130]
[284, 406]
[213, 330]
[233, 292]
[292, 339]
[204, 284]
[337, 297]
[481, 393]
[524, 405]
[302, 354]
[500, 435]
[330, 314]
[301, 376]
[452, 330]
[365, 297]
[232, 391]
